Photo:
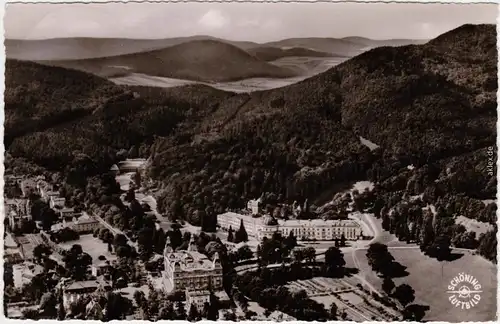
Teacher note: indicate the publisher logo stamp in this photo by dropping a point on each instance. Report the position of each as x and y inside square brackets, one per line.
[465, 291]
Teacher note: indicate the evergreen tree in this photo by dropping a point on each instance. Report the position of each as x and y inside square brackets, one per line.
[180, 313]
[230, 235]
[333, 312]
[167, 312]
[342, 240]
[388, 285]
[61, 312]
[427, 233]
[211, 310]
[291, 241]
[194, 314]
[241, 234]
[405, 294]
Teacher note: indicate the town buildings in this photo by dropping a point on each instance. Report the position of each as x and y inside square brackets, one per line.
[85, 224]
[191, 270]
[115, 169]
[198, 298]
[28, 186]
[131, 165]
[67, 213]
[56, 202]
[101, 269]
[80, 222]
[12, 180]
[76, 290]
[254, 206]
[265, 226]
[12, 252]
[16, 209]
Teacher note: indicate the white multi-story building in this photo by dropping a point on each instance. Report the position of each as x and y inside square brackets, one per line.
[77, 221]
[315, 229]
[47, 195]
[68, 214]
[233, 220]
[46, 190]
[132, 165]
[191, 270]
[16, 210]
[85, 224]
[254, 206]
[57, 202]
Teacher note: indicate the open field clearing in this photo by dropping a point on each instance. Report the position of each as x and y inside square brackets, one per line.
[91, 245]
[473, 225]
[430, 279]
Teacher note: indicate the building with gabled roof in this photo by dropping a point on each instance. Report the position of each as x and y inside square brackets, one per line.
[76, 290]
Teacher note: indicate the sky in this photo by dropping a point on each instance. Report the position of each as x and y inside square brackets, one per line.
[260, 22]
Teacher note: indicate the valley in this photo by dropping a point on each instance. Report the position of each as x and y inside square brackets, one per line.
[307, 65]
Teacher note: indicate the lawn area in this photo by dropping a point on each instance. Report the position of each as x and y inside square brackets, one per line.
[430, 279]
[91, 245]
[473, 225]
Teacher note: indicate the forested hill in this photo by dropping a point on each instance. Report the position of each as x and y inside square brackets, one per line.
[299, 140]
[199, 60]
[432, 106]
[39, 97]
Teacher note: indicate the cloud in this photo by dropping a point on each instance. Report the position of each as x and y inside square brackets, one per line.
[213, 19]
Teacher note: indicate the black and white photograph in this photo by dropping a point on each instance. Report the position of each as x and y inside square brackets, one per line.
[230, 161]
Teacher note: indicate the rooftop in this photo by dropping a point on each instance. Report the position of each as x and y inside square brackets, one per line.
[222, 295]
[189, 260]
[132, 163]
[194, 293]
[264, 220]
[9, 241]
[79, 285]
[319, 222]
[67, 210]
[85, 219]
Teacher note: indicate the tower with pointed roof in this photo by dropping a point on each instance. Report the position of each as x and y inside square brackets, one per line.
[192, 245]
[168, 247]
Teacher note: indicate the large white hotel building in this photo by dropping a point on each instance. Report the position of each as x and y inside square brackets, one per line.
[265, 226]
[190, 270]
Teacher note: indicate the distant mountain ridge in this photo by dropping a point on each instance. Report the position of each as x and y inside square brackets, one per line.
[78, 48]
[198, 60]
[187, 58]
[274, 53]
